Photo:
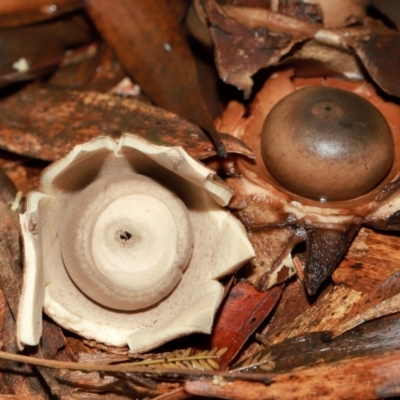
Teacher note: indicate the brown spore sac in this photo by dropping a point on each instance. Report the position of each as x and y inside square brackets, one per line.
[327, 144]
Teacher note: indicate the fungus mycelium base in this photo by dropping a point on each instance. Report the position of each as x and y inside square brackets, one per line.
[278, 219]
[219, 247]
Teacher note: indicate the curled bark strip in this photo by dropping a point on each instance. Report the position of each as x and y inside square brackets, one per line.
[48, 123]
[327, 381]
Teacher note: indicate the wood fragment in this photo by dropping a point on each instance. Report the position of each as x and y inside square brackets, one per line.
[373, 338]
[329, 309]
[359, 378]
[371, 259]
[384, 300]
[176, 394]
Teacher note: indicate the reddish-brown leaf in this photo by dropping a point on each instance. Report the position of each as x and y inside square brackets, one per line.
[242, 312]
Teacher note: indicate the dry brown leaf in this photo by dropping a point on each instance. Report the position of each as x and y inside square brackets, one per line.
[15, 13]
[150, 45]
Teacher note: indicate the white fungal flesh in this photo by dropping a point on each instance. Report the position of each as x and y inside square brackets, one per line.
[129, 240]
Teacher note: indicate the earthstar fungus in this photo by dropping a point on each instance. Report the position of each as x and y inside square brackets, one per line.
[124, 242]
[327, 143]
[281, 211]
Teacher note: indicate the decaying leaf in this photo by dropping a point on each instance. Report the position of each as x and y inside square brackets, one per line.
[338, 13]
[373, 50]
[273, 263]
[232, 328]
[91, 68]
[242, 51]
[248, 38]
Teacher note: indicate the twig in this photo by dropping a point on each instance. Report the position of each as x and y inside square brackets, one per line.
[172, 373]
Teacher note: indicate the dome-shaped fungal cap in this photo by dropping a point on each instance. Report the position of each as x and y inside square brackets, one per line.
[125, 240]
[326, 143]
